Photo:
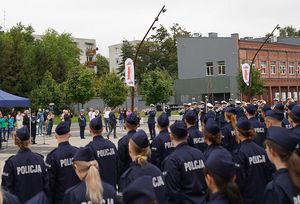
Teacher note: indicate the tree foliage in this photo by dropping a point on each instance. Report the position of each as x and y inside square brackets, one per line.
[157, 87]
[257, 84]
[127, 51]
[289, 31]
[102, 65]
[112, 90]
[80, 85]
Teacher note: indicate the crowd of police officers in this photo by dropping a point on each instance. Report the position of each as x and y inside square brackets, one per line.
[244, 153]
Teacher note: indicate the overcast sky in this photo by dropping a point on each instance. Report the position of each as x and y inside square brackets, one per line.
[111, 21]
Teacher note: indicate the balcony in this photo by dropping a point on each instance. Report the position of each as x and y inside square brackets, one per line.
[90, 52]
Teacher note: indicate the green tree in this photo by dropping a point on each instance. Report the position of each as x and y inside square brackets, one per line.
[289, 31]
[80, 84]
[112, 90]
[127, 51]
[102, 65]
[157, 87]
[257, 84]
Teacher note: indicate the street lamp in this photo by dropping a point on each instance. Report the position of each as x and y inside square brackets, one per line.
[162, 10]
[266, 40]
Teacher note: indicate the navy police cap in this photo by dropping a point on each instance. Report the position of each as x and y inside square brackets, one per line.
[163, 120]
[140, 191]
[285, 138]
[84, 154]
[279, 106]
[23, 133]
[275, 114]
[296, 111]
[291, 105]
[265, 108]
[250, 108]
[179, 129]
[230, 110]
[190, 116]
[62, 128]
[211, 126]
[220, 163]
[132, 119]
[140, 138]
[243, 124]
[96, 123]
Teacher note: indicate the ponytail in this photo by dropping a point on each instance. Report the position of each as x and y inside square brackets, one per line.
[294, 169]
[140, 155]
[94, 188]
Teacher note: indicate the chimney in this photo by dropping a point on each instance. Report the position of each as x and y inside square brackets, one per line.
[212, 35]
[235, 35]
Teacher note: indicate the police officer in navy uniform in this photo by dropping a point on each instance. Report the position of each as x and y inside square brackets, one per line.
[280, 146]
[239, 110]
[197, 110]
[8, 198]
[151, 121]
[131, 124]
[105, 152]
[229, 139]
[82, 123]
[210, 111]
[161, 146]
[255, 170]
[274, 118]
[263, 112]
[139, 151]
[285, 121]
[212, 137]
[195, 137]
[91, 189]
[260, 129]
[59, 164]
[294, 118]
[183, 169]
[25, 174]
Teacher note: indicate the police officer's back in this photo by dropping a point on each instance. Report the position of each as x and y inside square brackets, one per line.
[59, 164]
[229, 139]
[24, 174]
[183, 169]
[195, 137]
[151, 121]
[294, 117]
[8, 198]
[91, 189]
[131, 124]
[285, 122]
[105, 152]
[161, 146]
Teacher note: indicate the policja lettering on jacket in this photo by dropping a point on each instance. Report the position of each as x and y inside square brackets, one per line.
[106, 152]
[258, 159]
[29, 169]
[193, 165]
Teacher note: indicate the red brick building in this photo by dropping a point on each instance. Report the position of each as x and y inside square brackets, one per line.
[279, 64]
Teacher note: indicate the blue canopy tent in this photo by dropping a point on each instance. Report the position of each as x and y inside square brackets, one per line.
[8, 100]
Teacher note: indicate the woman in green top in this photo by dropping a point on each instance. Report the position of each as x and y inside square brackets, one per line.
[2, 128]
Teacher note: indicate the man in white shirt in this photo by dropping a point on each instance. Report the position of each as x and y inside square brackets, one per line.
[106, 118]
[91, 114]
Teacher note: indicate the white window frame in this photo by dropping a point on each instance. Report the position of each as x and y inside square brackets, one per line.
[298, 68]
[282, 69]
[209, 69]
[273, 66]
[222, 68]
[291, 67]
[265, 67]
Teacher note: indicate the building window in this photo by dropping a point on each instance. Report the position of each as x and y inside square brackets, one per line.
[273, 68]
[221, 67]
[263, 67]
[291, 68]
[209, 69]
[282, 68]
[298, 69]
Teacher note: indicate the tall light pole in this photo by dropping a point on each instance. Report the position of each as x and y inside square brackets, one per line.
[162, 10]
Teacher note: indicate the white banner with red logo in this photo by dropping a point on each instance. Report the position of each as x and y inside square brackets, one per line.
[129, 72]
[246, 73]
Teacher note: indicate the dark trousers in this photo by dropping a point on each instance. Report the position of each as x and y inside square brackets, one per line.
[9, 131]
[113, 127]
[151, 127]
[2, 133]
[106, 122]
[82, 128]
[33, 134]
[49, 128]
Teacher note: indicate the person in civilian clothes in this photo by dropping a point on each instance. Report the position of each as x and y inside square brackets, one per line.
[25, 174]
[2, 128]
[255, 170]
[91, 189]
[285, 121]
[7, 198]
[274, 118]
[294, 118]
[33, 127]
[11, 126]
[280, 146]
[105, 152]
[195, 137]
[82, 123]
[112, 124]
[212, 137]
[50, 118]
[260, 129]
[229, 140]
[131, 124]
[151, 121]
[219, 174]
[161, 146]
[183, 169]
[26, 119]
[139, 151]
[59, 164]
[140, 191]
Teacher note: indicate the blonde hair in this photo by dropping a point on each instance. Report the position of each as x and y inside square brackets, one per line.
[21, 144]
[140, 155]
[94, 188]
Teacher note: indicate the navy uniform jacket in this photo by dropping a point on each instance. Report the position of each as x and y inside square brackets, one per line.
[254, 172]
[228, 138]
[161, 147]
[281, 190]
[151, 116]
[286, 124]
[260, 130]
[81, 121]
[60, 170]
[106, 154]
[40, 198]
[25, 175]
[9, 198]
[135, 171]
[196, 139]
[112, 118]
[218, 198]
[239, 112]
[77, 194]
[124, 158]
[296, 130]
[183, 170]
[210, 114]
[210, 149]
